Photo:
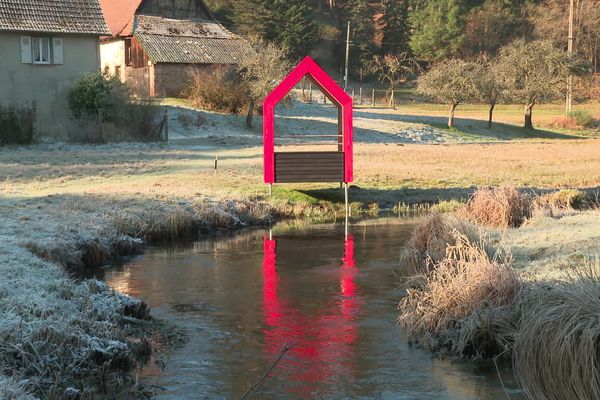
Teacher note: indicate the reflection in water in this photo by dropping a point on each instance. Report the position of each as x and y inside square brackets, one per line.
[321, 347]
[242, 298]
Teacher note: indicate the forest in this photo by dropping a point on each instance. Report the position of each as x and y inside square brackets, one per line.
[429, 31]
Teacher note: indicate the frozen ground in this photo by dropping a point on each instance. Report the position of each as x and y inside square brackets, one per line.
[370, 126]
[548, 248]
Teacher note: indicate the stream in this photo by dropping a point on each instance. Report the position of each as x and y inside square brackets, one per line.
[330, 299]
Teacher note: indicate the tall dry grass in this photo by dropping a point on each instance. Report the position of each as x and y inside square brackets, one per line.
[430, 240]
[561, 203]
[557, 345]
[464, 306]
[501, 207]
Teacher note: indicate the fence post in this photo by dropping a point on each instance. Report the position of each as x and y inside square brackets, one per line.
[360, 96]
[101, 123]
[310, 98]
[373, 99]
[166, 125]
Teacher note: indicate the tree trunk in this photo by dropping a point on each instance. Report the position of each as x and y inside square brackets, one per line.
[491, 115]
[451, 116]
[250, 114]
[528, 112]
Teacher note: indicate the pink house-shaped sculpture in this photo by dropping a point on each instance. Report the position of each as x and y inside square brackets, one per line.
[309, 166]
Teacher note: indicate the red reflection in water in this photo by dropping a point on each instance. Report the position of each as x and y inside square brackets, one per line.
[322, 348]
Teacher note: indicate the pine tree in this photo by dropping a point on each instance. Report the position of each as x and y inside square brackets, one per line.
[437, 29]
[287, 23]
[362, 32]
[395, 29]
[252, 17]
[293, 27]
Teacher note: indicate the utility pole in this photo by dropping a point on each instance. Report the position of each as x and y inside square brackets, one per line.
[348, 56]
[569, 102]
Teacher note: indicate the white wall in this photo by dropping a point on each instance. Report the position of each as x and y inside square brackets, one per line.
[47, 85]
[112, 54]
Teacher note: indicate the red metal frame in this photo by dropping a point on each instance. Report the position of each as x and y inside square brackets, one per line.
[307, 67]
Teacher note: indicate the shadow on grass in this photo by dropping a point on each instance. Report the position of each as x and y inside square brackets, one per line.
[388, 198]
[470, 128]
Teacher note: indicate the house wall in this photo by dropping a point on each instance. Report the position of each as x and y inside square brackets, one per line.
[46, 85]
[112, 57]
[171, 79]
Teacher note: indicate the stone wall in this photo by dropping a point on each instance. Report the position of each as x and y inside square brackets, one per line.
[171, 79]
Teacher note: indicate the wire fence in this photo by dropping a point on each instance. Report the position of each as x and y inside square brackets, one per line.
[361, 96]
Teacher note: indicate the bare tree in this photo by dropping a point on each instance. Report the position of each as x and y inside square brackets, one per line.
[533, 72]
[451, 81]
[261, 72]
[549, 22]
[394, 70]
[489, 87]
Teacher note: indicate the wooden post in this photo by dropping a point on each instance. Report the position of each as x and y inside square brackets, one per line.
[360, 96]
[373, 99]
[270, 189]
[346, 199]
[310, 98]
[166, 125]
[215, 177]
[101, 123]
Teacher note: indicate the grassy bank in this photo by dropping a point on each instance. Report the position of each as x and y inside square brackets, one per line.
[71, 207]
[511, 276]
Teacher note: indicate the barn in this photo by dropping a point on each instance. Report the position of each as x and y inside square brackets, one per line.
[156, 44]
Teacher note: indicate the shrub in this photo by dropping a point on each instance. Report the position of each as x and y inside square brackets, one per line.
[105, 110]
[16, 124]
[583, 117]
[501, 207]
[94, 93]
[218, 90]
[465, 304]
[565, 123]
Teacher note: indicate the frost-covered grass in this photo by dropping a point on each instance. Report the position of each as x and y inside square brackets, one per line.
[56, 332]
[67, 207]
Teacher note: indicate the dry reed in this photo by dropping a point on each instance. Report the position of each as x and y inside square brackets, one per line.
[464, 306]
[430, 239]
[557, 345]
[501, 207]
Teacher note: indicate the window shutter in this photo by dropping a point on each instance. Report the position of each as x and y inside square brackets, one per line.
[57, 49]
[26, 50]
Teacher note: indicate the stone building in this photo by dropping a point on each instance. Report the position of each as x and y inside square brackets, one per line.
[156, 44]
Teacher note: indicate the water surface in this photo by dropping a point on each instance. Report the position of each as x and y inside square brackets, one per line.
[331, 298]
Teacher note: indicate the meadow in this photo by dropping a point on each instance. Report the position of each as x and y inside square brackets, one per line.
[67, 208]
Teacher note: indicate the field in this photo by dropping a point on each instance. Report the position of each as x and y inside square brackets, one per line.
[384, 173]
[68, 207]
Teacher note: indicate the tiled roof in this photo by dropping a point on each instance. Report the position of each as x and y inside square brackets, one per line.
[119, 14]
[179, 41]
[53, 16]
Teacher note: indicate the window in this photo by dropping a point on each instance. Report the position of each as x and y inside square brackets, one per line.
[37, 50]
[41, 50]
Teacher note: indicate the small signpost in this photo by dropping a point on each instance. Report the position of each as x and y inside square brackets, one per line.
[310, 166]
